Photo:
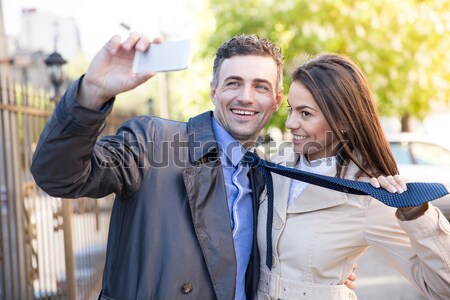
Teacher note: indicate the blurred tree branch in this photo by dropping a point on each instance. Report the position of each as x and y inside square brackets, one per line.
[401, 45]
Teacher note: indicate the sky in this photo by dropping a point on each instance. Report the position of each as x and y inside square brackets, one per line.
[98, 20]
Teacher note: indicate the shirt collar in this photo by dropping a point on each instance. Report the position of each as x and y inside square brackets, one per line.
[318, 166]
[228, 145]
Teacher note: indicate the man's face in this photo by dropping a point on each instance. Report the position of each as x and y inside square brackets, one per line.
[245, 97]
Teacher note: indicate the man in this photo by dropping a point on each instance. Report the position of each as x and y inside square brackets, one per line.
[171, 236]
[182, 225]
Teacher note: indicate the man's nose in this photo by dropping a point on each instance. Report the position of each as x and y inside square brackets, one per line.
[246, 95]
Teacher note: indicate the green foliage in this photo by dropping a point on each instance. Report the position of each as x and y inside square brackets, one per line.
[77, 66]
[402, 45]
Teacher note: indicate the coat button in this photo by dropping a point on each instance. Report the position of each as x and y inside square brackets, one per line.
[274, 261]
[187, 288]
[277, 224]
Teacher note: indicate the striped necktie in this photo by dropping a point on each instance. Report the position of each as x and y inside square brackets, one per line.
[417, 192]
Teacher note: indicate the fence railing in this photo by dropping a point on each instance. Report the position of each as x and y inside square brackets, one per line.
[50, 248]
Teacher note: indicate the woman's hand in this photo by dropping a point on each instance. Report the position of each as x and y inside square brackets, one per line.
[397, 184]
[393, 184]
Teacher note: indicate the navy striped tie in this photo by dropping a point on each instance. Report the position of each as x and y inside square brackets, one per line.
[417, 192]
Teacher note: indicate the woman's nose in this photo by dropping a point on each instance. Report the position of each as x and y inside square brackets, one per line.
[292, 122]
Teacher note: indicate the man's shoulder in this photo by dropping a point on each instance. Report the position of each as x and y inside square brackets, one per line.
[202, 119]
[147, 121]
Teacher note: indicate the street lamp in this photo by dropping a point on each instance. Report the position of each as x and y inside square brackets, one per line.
[54, 63]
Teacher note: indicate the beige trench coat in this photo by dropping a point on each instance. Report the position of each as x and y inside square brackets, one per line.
[318, 238]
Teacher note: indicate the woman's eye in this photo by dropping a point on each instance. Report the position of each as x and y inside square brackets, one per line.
[305, 114]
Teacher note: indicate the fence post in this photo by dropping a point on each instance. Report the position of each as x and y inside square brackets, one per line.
[71, 283]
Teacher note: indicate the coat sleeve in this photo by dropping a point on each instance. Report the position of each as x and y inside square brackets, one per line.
[70, 162]
[418, 249]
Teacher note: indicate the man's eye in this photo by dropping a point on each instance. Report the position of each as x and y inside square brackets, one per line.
[263, 87]
[233, 83]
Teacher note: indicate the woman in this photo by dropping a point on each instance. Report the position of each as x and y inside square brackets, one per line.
[318, 234]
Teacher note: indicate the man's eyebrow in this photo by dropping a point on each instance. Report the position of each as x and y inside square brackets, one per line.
[233, 77]
[263, 80]
[257, 80]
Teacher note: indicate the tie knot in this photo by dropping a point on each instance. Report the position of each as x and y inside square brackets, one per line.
[251, 159]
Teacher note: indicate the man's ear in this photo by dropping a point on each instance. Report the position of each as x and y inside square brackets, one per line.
[278, 99]
[212, 92]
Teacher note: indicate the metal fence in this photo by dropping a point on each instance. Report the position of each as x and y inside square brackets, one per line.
[50, 248]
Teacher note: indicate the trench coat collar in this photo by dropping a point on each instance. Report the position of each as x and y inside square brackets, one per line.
[207, 198]
[312, 198]
[201, 138]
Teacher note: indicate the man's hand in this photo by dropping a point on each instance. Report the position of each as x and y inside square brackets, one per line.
[110, 72]
[351, 280]
[393, 184]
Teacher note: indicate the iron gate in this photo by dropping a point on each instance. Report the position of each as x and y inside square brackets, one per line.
[50, 248]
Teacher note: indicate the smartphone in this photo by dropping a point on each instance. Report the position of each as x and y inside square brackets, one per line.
[163, 57]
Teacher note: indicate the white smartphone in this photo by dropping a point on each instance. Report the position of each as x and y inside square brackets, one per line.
[163, 57]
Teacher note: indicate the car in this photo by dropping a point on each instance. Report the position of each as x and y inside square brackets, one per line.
[423, 159]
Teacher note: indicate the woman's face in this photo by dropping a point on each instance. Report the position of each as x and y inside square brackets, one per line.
[311, 133]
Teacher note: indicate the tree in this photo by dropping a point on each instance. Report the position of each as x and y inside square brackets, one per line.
[401, 45]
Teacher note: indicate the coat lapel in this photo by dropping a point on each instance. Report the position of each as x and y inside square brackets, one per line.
[315, 198]
[312, 198]
[207, 200]
[281, 195]
[252, 275]
[205, 188]
[282, 185]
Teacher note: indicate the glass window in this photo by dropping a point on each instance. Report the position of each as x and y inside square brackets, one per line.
[430, 154]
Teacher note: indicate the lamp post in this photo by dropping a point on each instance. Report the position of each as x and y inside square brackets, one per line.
[54, 63]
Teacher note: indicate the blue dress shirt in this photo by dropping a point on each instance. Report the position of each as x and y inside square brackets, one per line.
[240, 204]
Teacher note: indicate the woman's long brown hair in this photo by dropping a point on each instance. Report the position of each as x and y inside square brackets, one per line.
[342, 92]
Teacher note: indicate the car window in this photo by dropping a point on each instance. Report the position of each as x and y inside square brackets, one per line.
[401, 153]
[429, 154]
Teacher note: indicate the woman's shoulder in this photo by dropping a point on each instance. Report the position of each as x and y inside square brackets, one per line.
[285, 156]
[354, 172]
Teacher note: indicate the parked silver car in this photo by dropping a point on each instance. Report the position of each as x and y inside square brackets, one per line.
[421, 158]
